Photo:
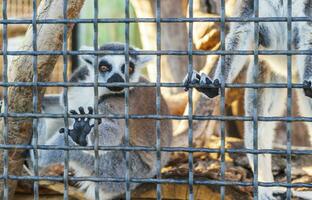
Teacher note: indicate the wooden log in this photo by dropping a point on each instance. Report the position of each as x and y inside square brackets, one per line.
[49, 38]
[206, 35]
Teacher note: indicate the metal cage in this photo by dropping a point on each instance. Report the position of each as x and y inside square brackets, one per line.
[28, 8]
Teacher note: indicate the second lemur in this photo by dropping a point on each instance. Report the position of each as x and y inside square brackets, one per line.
[269, 102]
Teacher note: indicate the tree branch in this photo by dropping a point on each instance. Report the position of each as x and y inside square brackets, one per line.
[49, 38]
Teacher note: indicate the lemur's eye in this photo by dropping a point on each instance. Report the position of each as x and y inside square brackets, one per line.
[104, 68]
[131, 68]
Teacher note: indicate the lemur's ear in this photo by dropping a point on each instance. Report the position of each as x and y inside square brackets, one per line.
[87, 59]
[143, 59]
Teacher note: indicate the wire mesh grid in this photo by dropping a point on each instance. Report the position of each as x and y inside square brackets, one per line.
[190, 52]
[19, 8]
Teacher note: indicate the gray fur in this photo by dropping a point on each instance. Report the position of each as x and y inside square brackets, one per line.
[80, 75]
[118, 47]
[263, 39]
[111, 133]
[273, 69]
[49, 126]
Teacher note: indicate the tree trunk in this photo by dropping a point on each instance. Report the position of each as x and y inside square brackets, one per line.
[174, 36]
[49, 38]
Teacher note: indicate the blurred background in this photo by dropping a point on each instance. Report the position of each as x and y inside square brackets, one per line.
[108, 32]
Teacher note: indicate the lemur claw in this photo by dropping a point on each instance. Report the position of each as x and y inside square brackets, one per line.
[307, 88]
[193, 79]
[206, 86]
[81, 127]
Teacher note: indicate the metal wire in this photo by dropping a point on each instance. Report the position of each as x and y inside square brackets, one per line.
[190, 117]
[255, 102]
[35, 100]
[96, 97]
[154, 20]
[65, 97]
[5, 101]
[222, 99]
[289, 98]
[158, 80]
[163, 52]
[190, 105]
[127, 137]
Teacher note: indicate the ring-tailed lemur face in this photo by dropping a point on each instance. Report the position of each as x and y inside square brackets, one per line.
[112, 68]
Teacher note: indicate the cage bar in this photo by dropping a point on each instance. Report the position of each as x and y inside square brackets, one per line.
[26, 13]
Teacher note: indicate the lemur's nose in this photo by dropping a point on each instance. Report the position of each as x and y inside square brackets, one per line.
[116, 78]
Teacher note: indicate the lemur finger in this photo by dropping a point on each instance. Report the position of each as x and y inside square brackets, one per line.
[62, 130]
[211, 92]
[90, 113]
[81, 110]
[192, 79]
[307, 88]
[216, 83]
[204, 80]
[186, 82]
[73, 112]
[195, 77]
[189, 77]
[90, 110]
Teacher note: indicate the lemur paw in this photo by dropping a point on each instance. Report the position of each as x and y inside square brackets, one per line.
[81, 127]
[307, 88]
[206, 86]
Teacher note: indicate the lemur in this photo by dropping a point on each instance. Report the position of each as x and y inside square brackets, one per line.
[111, 69]
[111, 132]
[272, 69]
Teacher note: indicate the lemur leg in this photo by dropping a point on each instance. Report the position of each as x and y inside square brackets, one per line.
[267, 105]
[305, 109]
[304, 64]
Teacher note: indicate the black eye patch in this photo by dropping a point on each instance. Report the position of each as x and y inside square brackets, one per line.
[106, 64]
[131, 68]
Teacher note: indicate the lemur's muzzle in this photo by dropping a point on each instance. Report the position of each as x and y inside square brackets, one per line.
[116, 78]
